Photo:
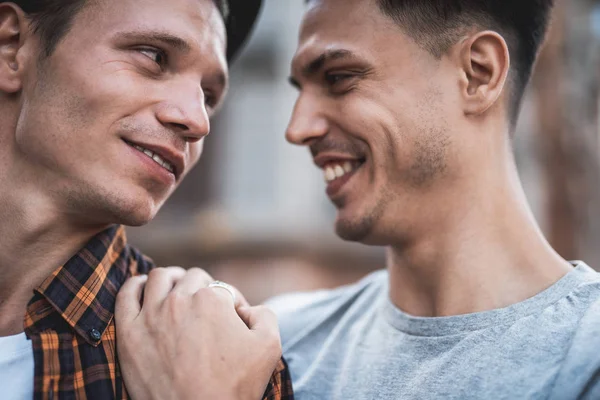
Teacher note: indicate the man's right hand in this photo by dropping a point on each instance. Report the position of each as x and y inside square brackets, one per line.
[186, 341]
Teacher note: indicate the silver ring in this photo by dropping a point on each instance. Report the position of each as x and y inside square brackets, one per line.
[226, 286]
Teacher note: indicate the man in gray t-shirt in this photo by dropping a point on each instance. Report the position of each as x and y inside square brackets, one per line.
[408, 107]
[353, 343]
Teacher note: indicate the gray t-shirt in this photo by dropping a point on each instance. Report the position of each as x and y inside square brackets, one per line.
[353, 343]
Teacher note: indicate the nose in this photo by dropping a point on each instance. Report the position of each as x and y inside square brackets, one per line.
[307, 122]
[185, 113]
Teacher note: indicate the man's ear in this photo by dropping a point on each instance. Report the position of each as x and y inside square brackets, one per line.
[485, 63]
[12, 26]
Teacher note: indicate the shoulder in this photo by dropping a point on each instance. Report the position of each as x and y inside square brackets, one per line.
[579, 375]
[306, 312]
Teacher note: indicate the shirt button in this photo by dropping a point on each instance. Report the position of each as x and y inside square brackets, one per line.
[95, 334]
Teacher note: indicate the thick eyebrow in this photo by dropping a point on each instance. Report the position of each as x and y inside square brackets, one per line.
[170, 40]
[158, 36]
[313, 67]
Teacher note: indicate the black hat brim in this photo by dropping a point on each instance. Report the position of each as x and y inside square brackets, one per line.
[242, 18]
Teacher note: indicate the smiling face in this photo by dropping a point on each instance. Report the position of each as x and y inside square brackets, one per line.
[114, 119]
[376, 111]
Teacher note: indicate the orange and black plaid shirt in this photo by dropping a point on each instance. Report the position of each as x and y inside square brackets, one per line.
[70, 323]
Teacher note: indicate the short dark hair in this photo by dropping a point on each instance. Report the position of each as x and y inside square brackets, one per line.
[52, 19]
[439, 24]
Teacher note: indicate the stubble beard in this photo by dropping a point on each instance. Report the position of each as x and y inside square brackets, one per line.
[429, 165]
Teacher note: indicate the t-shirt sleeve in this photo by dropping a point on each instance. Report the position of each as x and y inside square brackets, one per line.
[579, 377]
[296, 311]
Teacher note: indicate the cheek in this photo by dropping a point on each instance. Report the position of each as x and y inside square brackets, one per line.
[101, 90]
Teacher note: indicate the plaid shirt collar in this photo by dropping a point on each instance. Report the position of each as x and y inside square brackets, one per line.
[83, 291]
[73, 309]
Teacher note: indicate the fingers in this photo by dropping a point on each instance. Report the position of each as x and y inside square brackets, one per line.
[128, 304]
[197, 279]
[240, 300]
[160, 283]
[263, 323]
[225, 295]
[260, 319]
[233, 292]
[194, 280]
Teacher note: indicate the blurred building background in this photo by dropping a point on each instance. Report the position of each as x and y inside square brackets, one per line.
[254, 212]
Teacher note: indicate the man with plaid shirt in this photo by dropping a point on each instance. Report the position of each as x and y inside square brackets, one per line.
[103, 109]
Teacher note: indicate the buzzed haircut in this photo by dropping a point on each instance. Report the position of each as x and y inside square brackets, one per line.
[438, 24]
[52, 19]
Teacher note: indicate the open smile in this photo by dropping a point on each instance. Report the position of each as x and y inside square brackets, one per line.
[337, 175]
[170, 162]
[155, 157]
[337, 171]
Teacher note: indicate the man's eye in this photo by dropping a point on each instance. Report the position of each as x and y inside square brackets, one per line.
[210, 100]
[333, 79]
[158, 56]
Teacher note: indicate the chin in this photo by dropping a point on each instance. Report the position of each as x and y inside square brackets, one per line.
[359, 224]
[354, 230]
[134, 220]
[124, 210]
[135, 214]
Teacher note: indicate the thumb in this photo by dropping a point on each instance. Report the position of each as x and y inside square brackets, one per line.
[260, 319]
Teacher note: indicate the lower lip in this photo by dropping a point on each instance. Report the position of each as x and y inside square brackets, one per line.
[335, 186]
[157, 171]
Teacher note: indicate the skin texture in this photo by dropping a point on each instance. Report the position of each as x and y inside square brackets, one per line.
[384, 109]
[164, 339]
[438, 185]
[148, 72]
[90, 98]
[67, 171]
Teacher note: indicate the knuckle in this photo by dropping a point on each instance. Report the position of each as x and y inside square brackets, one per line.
[131, 283]
[175, 301]
[207, 300]
[266, 311]
[157, 274]
[175, 269]
[205, 296]
[199, 272]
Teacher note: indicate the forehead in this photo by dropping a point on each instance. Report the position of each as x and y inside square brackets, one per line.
[354, 25]
[198, 22]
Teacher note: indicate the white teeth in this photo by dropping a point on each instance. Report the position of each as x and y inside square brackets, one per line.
[167, 166]
[336, 171]
[347, 167]
[329, 174]
[158, 159]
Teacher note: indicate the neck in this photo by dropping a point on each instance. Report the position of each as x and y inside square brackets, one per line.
[486, 254]
[34, 244]
[37, 237]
